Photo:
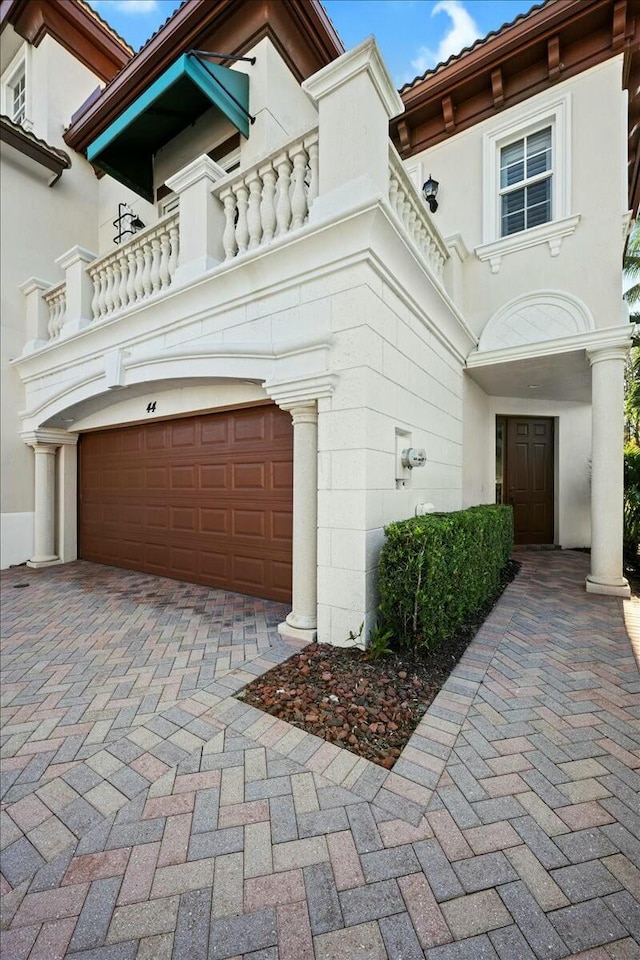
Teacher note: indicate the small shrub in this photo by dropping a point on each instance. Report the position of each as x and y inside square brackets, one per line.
[631, 499]
[438, 570]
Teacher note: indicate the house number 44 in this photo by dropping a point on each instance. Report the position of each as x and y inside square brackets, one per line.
[151, 407]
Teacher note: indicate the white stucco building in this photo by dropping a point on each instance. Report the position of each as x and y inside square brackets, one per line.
[223, 395]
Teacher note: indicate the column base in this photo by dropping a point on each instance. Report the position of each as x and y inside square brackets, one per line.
[297, 633]
[609, 586]
[44, 562]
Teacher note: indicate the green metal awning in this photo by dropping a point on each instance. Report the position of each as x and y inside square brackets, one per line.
[173, 102]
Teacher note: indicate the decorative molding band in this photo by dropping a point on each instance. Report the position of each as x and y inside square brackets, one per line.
[618, 337]
[552, 233]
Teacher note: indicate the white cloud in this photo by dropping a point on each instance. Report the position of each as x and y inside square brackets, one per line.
[132, 7]
[462, 33]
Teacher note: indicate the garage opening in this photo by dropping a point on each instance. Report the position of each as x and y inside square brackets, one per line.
[207, 499]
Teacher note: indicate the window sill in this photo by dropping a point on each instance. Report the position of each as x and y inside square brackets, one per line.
[552, 233]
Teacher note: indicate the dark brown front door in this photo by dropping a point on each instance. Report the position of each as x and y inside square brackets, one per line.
[529, 478]
[207, 499]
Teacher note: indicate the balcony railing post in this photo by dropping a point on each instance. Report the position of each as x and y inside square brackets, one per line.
[79, 290]
[353, 168]
[36, 314]
[202, 218]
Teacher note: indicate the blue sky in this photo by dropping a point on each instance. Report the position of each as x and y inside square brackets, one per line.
[413, 34]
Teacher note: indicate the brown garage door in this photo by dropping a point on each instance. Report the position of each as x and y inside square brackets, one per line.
[206, 499]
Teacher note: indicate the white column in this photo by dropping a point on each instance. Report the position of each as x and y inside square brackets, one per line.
[301, 623]
[45, 509]
[607, 439]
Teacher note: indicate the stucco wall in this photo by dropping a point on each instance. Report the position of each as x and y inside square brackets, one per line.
[38, 224]
[588, 264]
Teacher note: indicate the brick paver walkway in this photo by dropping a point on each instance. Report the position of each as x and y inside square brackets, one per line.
[148, 814]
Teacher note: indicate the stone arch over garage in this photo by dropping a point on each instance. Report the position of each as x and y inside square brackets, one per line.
[541, 315]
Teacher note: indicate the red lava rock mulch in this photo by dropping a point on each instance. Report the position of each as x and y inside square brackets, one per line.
[370, 707]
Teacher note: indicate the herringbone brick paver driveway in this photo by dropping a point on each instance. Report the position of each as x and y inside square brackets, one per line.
[192, 826]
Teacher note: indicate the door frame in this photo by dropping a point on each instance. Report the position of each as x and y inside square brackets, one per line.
[503, 420]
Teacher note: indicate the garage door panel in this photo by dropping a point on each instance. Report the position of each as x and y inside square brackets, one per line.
[214, 431]
[132, 441]
[281, 575]
[183, 433]
[282, 525]
[132, 478]
[248, 476]
[183, 477]
[281, 475]
[132, 551]
[155, 436]
[213, 476]
[248, 572]
[156, 478]
[131, 514]
[215, 565]
[249, 427]
[207, 499]
[184, 561]
[249, 523]
[214, 520]
[156, 517]
[184, 519]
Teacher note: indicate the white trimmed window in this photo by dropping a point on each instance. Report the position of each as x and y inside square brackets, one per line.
[527, 182]
[15, 90]
[526, 172]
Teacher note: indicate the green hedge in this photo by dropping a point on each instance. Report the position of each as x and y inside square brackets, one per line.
[438, 570]
[632, 499]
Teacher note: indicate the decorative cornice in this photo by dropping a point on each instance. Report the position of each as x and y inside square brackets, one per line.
[200, 168]
[75, 255]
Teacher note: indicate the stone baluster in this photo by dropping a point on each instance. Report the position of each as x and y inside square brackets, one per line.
[146, 273]
[102, 303]
[174, 235]
[267, 204]
[283, 204]
[109, 298]
[165, 247]
[298, 196]
[139, 274]
[124, 277]
[131, 276]
[229, 235]
[253, 213]
[117, 279]
[242, 226]
[155, 264]
[313, 173]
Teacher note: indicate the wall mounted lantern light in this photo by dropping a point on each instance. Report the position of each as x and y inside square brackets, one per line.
[429, 192]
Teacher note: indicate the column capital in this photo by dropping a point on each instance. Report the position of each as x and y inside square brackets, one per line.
[300, 390]
[302, 412]
[610, 351]
[49, 436]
